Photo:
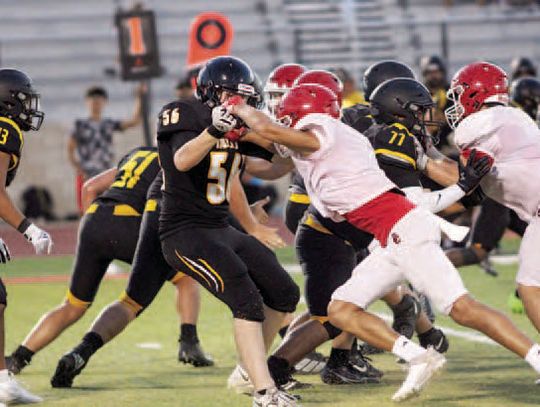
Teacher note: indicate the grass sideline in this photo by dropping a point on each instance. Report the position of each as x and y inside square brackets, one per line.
[123, 374]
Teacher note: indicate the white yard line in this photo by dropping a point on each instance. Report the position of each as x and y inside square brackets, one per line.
[149, 345]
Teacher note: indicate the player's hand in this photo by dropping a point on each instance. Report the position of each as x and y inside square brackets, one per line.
[421, 156]
[257, 208]
[40, 239]
[267, 236]
[472, 173]
[5, 256]
[222, 119]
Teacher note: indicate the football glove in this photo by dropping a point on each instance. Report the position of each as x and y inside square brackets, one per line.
[5, 256]
[472, 173]
[40, 239]
[421, 156]
[222, 119]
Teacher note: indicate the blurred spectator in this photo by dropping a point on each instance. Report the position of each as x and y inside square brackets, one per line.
[522, 67]
[90, 148]
[185, 88]
[434, 76]
[351, 94]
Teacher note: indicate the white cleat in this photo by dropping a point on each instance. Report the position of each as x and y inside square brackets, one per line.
[12, 392]
[421, 370]
[240, 382]
[275, 398]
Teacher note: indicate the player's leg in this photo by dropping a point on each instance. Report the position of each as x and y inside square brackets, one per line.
[207, 256]
[188, 304]
[528, 277]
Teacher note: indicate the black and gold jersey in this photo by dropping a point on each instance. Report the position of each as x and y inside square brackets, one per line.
[198, 197]
[154, 192]
[358, 117]
[136, 171]
[395, 149]
[11, 143]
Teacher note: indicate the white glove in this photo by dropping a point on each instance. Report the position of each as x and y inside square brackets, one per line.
[40, 239]
[5, 256]
[222, 119]
[421, 157]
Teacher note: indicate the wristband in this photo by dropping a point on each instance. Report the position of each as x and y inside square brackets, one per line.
[24, 225]
[214, 132]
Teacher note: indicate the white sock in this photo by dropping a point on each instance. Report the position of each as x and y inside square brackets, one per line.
[406, 349]
[533, 357]
[4, 375]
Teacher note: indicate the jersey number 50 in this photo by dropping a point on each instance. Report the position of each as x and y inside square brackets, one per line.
[219, 182]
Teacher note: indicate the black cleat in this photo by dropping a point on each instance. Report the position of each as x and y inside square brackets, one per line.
[293, 384]
[347, 374]
[192, 353]
[69, 366]
[405, 319]
[363, 364]
[435, 338]
[15, 364]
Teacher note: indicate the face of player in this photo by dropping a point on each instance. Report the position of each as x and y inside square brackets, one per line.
[226, 95]
[434, 78]
[96, 104]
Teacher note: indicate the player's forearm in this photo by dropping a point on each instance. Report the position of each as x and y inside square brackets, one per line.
[443, 171]
[95, 186]
[8, 211]
[269, 171]
[191, 153]
[239, 206]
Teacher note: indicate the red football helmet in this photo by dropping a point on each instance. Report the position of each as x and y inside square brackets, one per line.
[472, 86]
[305, 99]
[280, 80]
[324, 78]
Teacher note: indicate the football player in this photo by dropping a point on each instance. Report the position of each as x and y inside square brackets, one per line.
[19, 112]
[200, 166]
[522, 67]
[329, 153]
[113, 202]
[510, 139]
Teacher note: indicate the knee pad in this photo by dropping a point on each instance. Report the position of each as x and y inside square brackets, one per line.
[330, 329]
[71, 299]
[248, 310]
[288, 299]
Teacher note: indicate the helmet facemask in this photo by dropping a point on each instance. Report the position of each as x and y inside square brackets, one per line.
[456, 112]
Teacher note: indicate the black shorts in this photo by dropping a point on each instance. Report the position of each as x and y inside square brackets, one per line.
[327, 263]
[492, 222]
[150, 269]
[235, 267]
[297, 205]
[106, 233]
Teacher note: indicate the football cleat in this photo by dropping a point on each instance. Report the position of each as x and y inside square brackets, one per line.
[313, 363]
[363, 364]
[275, 398]
[69, 366]
[192, 353]
[12, 392]
[15, 364]
[367, 349]
[293, 384]
[488, 268]
[421, 371]
[405, 320]
[435, 338]
[515, 304]
[240, 382]
[347, 374]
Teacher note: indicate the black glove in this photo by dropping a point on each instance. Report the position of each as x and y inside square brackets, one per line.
[472, 173]
[475, 198]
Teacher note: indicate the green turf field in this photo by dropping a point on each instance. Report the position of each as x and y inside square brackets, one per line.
[123, 374]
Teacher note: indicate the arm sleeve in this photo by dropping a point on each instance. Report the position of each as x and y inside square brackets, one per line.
[435, 201]
[254, 150]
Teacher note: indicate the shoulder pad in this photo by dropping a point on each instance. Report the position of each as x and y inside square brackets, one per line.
[358, 117]
[11, 136]
[178, 116]
[394, 144]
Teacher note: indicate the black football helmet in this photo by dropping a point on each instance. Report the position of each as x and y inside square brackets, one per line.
[382, 71]
[257, 101]
[525, 92]
[521, 67]
[405, 101]
[19, 101]
[224, 73]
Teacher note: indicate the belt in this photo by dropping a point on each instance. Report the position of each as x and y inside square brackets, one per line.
[118, 210]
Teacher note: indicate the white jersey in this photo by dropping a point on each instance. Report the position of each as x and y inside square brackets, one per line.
[343, 174]
[512, 138]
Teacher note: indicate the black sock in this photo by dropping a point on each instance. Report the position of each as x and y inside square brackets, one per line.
[338, 357]
[188, 333]
[426, 334]
[23, 354]
[90, 344]
[283, 331]
[280, 370]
